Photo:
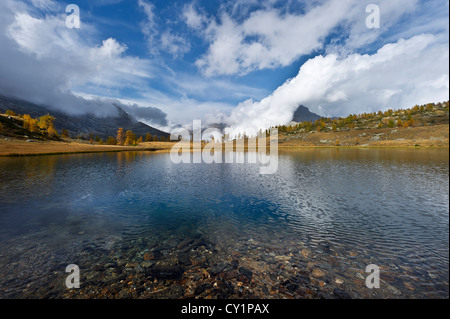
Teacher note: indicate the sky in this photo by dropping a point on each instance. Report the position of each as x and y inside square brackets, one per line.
[248, 64]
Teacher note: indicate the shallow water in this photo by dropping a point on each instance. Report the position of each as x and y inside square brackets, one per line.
[308, 231]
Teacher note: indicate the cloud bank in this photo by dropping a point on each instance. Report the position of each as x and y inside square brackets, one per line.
[401, 74]
[42, 61]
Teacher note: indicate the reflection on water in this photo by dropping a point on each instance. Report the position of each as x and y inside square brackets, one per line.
[323, 218]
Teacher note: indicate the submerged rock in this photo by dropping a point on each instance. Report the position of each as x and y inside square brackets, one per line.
[183, 259]
[318, 273]
[246, 272]
[166, 272]
[147, 264]
[341, 294]
[218, 268]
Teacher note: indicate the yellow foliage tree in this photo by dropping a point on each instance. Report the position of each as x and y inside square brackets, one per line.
[129, 140]
[52, 132]
[30, 123]
[46, 121]
[120, 137]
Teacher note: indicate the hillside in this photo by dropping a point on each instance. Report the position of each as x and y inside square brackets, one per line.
[84, 126]
[425, 125]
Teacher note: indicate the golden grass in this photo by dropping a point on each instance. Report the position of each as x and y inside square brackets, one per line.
[23, 148]
[425, 136]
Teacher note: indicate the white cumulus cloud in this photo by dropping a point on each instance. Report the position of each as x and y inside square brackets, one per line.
[400, 74]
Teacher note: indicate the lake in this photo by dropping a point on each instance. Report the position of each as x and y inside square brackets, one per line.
[139, 226]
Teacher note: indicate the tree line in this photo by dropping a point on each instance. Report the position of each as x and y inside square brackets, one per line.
[402, 118]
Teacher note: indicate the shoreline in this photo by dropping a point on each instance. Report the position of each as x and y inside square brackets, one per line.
[166, 150]
[430, 137]
[20, 148]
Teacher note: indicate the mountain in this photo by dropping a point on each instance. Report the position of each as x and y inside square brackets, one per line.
[84, 125]
[303, 114]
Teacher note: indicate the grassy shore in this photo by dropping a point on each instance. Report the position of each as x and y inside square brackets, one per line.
[15, 147]
[428, 136]
[423, 136]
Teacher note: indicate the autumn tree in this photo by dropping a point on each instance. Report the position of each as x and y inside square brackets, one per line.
[46, 121]
[10, 113]
[30, 123]
[129, 138]
[26, 121]
[52, 132]
[334, 127]
[120, 137]
[65, 134]
[111, 141]
[148, 137]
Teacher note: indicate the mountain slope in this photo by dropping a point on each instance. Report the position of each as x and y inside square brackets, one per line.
[303, 114]
[82, 126]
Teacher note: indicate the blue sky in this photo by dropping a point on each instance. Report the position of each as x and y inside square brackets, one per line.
[247, 63]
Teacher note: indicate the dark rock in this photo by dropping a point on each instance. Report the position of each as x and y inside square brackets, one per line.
[225, 289]
[326, 247]
[295, 283]
[243, 278]
[147, 264]
[183, 259]
[166, 272]
[152, 255]
[270, 260]
[123, 294]
[273, 276]
[228, 275]
[98, 267]
[235, 263]
[176, 292]
[341, 294]
[292, 287]
[246, 272]
[199, 290]
[199, 242]
[185, 243]
[218, 268]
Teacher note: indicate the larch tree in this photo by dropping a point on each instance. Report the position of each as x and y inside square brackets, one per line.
[130, 138]
[111, 141]
[120, 137]
[65, 134]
